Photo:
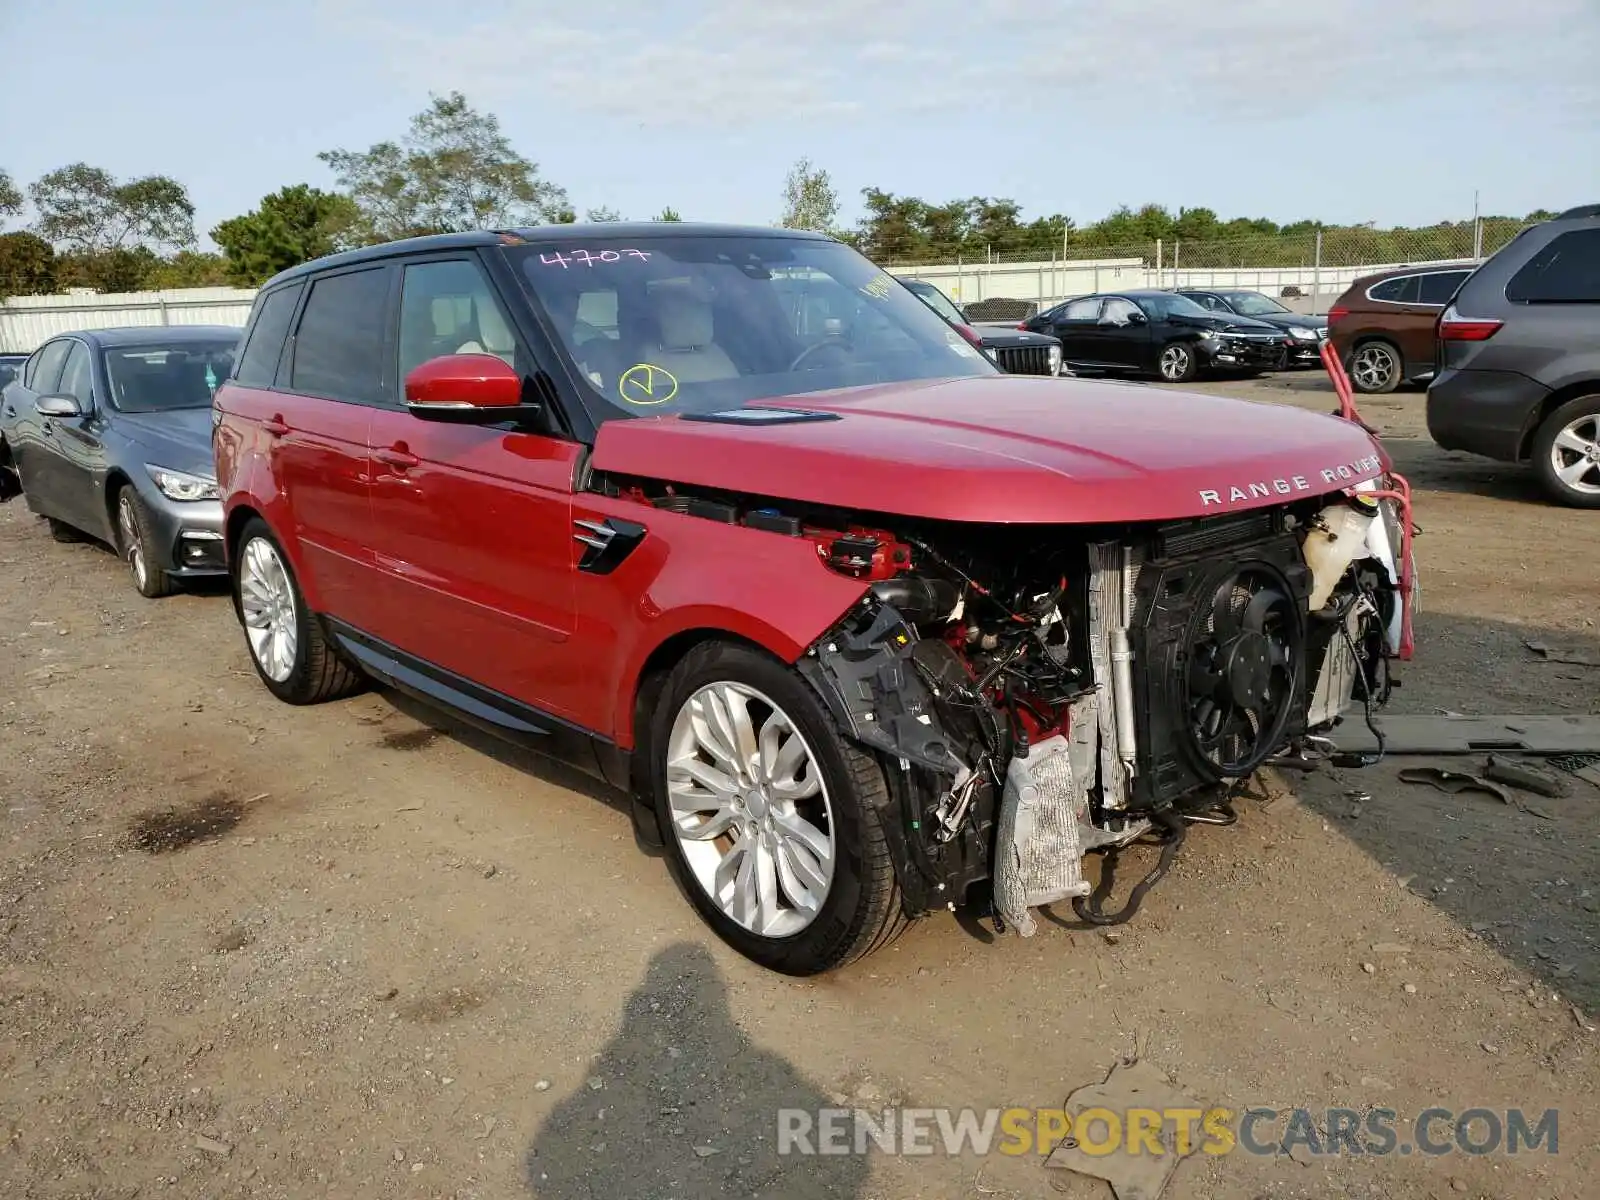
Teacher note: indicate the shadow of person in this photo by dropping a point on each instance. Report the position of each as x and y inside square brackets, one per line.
[681, 1103]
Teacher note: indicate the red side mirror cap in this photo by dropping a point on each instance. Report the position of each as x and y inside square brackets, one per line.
[464, 381]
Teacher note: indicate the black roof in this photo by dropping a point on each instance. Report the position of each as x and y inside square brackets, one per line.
[584, 231]
[1582, 212]
[145, 335]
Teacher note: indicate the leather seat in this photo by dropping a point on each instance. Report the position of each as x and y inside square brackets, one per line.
[686, 329]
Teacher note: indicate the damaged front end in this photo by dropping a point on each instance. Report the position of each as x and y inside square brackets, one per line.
[1038, 694]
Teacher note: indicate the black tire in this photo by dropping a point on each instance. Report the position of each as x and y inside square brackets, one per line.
[66, 534]
[133, 544]
[317, 671]
[862, 911]
[1584, 411]
[1177, 363]
[1379, 381]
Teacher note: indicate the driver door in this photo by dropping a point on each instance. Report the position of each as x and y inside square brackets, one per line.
[472, 525]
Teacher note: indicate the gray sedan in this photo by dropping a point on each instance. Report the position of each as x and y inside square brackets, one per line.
[107, 434]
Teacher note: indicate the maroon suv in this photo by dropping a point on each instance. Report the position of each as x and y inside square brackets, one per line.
[1383, 324]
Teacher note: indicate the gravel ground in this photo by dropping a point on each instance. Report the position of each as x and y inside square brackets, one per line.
[253, 950]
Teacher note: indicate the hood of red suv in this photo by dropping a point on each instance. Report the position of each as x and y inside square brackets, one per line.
[1007, 449]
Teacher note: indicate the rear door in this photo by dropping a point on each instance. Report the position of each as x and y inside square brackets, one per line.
[472, 526]
[32, 440]
[1074, 324]
[1123, 336]
[73, 450]
[1433, 293]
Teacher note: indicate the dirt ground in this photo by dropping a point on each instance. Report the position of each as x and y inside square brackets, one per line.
[356, 951]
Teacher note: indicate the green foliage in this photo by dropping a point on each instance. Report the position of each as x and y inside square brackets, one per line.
[10, 197]
[668, 214]
[291, 226]
[907, 229]
[809, 201]
[116, 270]
[83, 210]
[454, 170]
[187, 269]
[602, 214]
[27, 265]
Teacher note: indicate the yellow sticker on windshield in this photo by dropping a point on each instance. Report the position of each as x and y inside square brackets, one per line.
[646, 383]
[878, 287]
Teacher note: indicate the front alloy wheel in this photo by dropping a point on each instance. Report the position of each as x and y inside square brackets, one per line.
[133, 540]
[771, 818]
[749, 809]
[1177, 364]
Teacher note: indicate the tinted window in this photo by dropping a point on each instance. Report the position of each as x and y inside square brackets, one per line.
[1163, 306]
[1567, 271]
[1396, 291]
[338, 350]
[259, 365]
[48, 373]
[1081, 310]
[449, 308]
[77, 376]
[1118, 311]
[156, 378]
[1440, 286]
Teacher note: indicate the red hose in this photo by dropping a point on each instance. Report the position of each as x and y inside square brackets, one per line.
[1399, 491]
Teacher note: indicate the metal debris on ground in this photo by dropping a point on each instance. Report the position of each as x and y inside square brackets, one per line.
[1584, 766]
[1139, 1176]
[1520, 775]
[1455, 782]
[1555, 654]
[1449, 735]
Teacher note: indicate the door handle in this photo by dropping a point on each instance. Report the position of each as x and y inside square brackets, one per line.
[274, 426]
[396, 456]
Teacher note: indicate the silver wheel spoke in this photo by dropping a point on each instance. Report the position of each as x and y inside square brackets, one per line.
[1568, 439]
[267, 605]
[750, 810]
[1573, 474]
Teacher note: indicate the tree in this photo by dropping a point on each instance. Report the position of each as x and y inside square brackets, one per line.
[117, 270]
[84, 210]
[27, 265]
[10, 197]
[454, 170]
[668, 214]
[187, 269]
[291, 226]
[809, 201]
[602, 214]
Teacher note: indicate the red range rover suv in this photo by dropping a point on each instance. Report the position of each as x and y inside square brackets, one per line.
[866, 627]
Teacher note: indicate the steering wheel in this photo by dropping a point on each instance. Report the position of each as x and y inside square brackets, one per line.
[833, 343]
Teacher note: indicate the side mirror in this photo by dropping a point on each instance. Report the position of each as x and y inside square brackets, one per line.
[1138, 318]
[58, 404]
[466, 389]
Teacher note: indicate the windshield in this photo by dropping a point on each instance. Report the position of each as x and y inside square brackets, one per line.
[936, 300]
[159, 378]
[1253, 304]
[668, 324]
[1162, 306]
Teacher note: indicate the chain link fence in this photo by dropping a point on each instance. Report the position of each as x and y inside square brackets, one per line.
[1305, 271]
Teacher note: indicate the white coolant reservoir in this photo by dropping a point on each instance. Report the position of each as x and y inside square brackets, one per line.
[1335, 540]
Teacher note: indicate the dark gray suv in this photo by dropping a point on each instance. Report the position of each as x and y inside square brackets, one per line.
[1519, 358]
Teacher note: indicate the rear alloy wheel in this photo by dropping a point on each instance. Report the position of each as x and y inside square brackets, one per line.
[288, 645]
[1375, 368]
[133, 543]
[770, 817]
[1177, 363]
[1566, 453]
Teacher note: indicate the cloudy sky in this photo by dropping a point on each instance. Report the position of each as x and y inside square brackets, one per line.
[1394, 111]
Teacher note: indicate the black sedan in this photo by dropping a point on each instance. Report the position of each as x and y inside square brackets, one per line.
[1015, 350]
[1304, 332]
[107, 433]
[1159, 333]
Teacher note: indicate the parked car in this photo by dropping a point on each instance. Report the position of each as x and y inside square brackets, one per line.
[107, 433]
[1153, 332]
[1016, 351]
[1519, 358]
[1303, 333]
[1382, 326]
[737, 524]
